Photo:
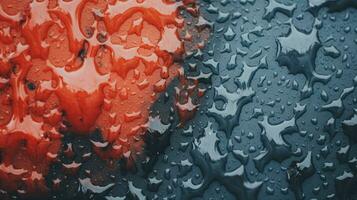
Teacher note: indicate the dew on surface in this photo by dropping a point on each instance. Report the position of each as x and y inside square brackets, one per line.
[226, 99]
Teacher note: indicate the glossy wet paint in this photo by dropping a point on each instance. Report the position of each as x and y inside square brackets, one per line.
[276, 119]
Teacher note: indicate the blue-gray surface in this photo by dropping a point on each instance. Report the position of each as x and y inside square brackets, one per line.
[278, 121]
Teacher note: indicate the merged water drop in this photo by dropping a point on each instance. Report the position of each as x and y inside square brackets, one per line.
[277, 120]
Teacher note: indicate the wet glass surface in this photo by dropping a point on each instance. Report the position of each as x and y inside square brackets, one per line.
[154, 99]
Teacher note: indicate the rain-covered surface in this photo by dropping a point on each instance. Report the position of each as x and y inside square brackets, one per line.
[278, 121]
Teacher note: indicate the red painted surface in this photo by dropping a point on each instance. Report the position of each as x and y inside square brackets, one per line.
[74, 66]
